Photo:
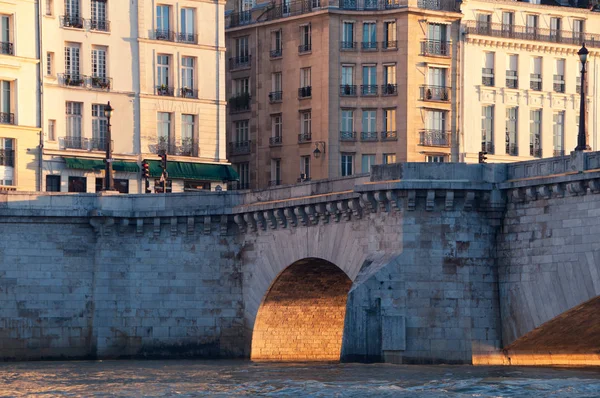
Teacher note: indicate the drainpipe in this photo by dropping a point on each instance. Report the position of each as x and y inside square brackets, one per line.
[218, 93]
[255, 74]
[40, 99]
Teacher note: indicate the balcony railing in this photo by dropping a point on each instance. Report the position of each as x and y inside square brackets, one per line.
[535, 82]
[71, 21]
[239, 147]
[186, 92]
[347, 136]
[512, 80]
[164, 35]
[98, 82]
[367, 90]
[276, 141]
[304, 137]
[530, 33]
[348, 46]
[434, 138]
[274, 183]
[7, 157]
[7, 118]
[487, 77]
[89, 82]
[304, 48]
[389, 89]
[487, 146]
[239, 62]
[435, 47]
[190, 38]
[389, 45]
[435, 93]
[535, 151]
[6, 48]
[305, 92]
[164, 91]
[100, 25]
[86, 144]
[559, 84]
[512, 149]
[389, 136]
[71, 80]
[275, 96]
[278, 52]
[183, 148]
[369, 45]
[369, 136]
[559, 152]
[348, 90]
[239, 103]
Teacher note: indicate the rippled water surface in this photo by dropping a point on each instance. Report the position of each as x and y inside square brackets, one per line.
[239, 378]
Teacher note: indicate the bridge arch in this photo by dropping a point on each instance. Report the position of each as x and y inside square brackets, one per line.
[301, 317]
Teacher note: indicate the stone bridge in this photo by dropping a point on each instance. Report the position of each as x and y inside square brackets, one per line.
[415, 263]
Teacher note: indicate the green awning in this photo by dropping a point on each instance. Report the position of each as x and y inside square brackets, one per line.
[98, 164]
[194, 171]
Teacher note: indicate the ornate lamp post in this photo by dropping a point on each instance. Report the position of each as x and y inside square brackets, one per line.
[582, 135]
[108, 180]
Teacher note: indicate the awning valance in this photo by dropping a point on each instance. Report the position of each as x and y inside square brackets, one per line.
[194, 171]
[98, 164]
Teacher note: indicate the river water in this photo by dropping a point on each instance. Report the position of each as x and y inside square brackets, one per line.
[243, 378]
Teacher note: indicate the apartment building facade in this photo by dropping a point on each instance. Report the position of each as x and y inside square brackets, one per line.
[19, 96]
[520, 79]
[325, 89]
[144, 58]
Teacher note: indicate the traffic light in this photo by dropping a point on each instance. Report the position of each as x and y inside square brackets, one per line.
[163, 160]
[145, 170]
[482, 157]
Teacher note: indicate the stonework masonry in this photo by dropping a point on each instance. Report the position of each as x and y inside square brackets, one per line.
[435, 263]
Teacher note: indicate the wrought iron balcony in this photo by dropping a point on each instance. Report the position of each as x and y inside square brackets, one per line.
[239, 147]
[304, 137]
[71, 21]
[278, 52]
[435, 93]
[559, 152]
[100, 25]
[96, 144]
[369, 46]
[368, 90]
[276, 141]
[347, 136]
[71, 80]
[98, 82]
[531, 33]
[7, 118]
[487, 146]
[190, 38]
[164, 35]
[369, 136]
[389, 89]
[239, 103]
[512, 149]
[535, 151]
[389, 45]
[6, 48]
[487, 77]
[305, 92]
[275, 96]
[348, 46]
[183, 148]
[439, 138]
[274, 183]
[7, 157]
[86, 144]
[164, 91]
[435, 47]
[512, 80]
[348, 90]
[559, 84]
[186, 92]
[304, 48]
[448, 5]
[239, 62]
[389, 136]
[535, 82]
[89, 82]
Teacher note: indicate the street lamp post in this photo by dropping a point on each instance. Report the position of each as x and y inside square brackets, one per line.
[582, 135]
[108, 180]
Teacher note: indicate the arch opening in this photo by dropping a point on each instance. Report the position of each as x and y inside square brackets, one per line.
[301, 317]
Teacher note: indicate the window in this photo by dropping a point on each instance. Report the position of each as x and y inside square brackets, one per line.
[559, 133]
[49, 63]
[435, 130]
[72, 8]
[435, 158]
[512, 72]
[99, 63]
[369, 122]
[436, 85]
[559, 76]
[241, 86]
[243, 170]
[305, 38]
[7, 161]
[389, 119]
[275, 172]
[389, 74]
[163, 21]
[483, 22]
[369, 36]
[241, 131]
[187, 77]
[163, 74]
[52, 183]
[367, 162]
[276, 44]
[555, 28]
[536, 74]
[347, 75]
[49, 7]
[163, 128]
[5, 30]
[276, 93]
[347, 164]
[73, 139]
[436, 39]
[6, 103]
[99, 127]
[77, 184]
[487, 75]
[304, 167]
[535, 133]
[277, 128]
[72, 61]
[187, 134]
[242, 51]
[98, 20]
[187, 31]
[305, 77]
[511, 131]
[347, 121]
[348, 35]
[389, 158]
[579, 30]
[120, 185]
[531, 25]
[369, 86]
[390, 35]
[508, 19]
[487, 128]
[305, 123]
[51, 130]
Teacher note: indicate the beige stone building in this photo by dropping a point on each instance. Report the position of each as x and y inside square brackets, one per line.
[160, 64]
[520, 79]
[19, 96]
[327, 88]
